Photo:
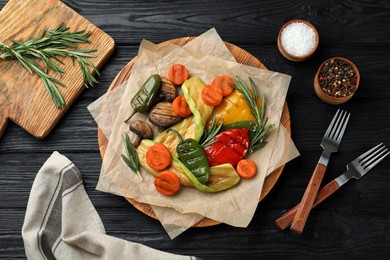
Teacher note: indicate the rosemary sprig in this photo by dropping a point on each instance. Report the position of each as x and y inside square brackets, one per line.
[59, 42]
[207, 138]
[132, 157]
[251, 97]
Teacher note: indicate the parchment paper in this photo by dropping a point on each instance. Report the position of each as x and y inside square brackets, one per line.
[235, 206]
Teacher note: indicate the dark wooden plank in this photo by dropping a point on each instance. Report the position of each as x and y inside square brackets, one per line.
[256, 22]
[353, 224]
[346, 239]
[357, 193]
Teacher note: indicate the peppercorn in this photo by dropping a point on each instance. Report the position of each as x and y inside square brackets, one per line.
[337, 78]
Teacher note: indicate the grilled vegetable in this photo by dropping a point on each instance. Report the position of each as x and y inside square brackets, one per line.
[246, 169]
[231, 147]
[192, 89]
[162, 115]
[192, 126]
[222, 177]
[167, 183]
[258, 138]
[181, 107]
[191, 154]
[146, 95]
[177, 73]
[233, 108]
[250, 125]
[212, 95]
[167, 90]
[158, 157]
[225, 83]
[142, 130]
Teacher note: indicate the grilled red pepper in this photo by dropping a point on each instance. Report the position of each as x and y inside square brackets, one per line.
[231, 147]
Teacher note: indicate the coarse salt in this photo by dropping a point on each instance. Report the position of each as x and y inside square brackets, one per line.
[298, 39]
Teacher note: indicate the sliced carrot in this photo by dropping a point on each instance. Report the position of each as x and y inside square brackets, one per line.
[158, 157]
[225, 83]
[246, 168]
[181, 107]
[212, 95]
[167, 183]
[177, 73]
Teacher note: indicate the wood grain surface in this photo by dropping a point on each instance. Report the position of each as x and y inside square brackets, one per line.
[242, 57]
[308, 198]
[23, 97]
[287, 218]
[353, 223]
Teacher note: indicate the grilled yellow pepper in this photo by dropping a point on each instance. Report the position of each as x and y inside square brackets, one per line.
[232, 109]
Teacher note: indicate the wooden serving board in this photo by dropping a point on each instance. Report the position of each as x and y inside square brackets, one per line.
[242, 57]
[23, 97]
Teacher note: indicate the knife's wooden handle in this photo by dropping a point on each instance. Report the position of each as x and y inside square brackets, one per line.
[308, 199]
[285, 221]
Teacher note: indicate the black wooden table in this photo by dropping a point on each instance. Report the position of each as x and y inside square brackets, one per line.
[353, 224]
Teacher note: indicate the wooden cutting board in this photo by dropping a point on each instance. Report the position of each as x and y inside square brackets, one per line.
[23, 97]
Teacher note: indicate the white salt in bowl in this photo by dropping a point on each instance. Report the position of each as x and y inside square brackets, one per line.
[298, 40]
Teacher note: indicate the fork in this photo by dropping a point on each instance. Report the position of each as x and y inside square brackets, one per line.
[330, 144]
[355, 169]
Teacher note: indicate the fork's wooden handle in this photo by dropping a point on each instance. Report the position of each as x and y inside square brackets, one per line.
[285, 221]
[308, 199]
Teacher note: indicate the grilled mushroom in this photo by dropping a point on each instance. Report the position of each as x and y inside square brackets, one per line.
[162, 115]
[142, 130]
[167, 90]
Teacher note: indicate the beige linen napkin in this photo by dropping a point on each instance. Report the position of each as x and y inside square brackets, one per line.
[62, 223]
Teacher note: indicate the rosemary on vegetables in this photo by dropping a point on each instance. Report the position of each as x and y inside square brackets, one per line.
[207, 138]
[251, 97]
[59, 42]
[132, 157]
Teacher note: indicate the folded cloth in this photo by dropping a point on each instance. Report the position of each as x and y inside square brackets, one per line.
[62, 223]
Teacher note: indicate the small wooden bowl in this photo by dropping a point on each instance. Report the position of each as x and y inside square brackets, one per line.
[293, 57]
[330, 99]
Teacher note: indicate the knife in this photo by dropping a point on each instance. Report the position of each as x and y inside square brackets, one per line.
[355, 169]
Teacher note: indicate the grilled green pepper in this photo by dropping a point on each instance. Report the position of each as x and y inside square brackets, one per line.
[222, 177]
[250, 125]
[143, 100]
[191, 154]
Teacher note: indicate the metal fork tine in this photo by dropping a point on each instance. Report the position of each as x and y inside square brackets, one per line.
[376, 160]
[367, 153]
[355, 169]
[337, 125]
[372, 154]
[330, 127]
[341, 127]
